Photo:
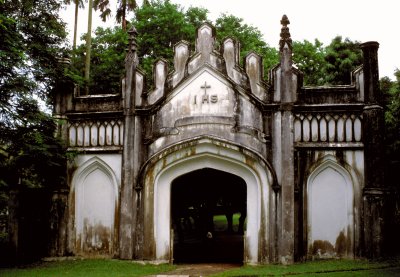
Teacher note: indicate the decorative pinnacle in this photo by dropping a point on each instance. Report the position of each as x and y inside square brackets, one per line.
[132, 33]
[285, 34]
[131, 56]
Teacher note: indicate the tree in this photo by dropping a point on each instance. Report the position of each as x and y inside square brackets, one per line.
[342, 57]
[161, 25]
[88, 47]
[123, 7]
[310, 59]
[391, 92]
[78, 4]
[196, 16]
[108, 45]
[250, 39]
[107, 59]
[31, 35]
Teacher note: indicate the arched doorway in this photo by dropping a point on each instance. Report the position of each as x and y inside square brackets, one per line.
[178, 160]
[208, 212]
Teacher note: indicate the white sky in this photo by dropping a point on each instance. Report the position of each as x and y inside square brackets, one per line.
[359, 20]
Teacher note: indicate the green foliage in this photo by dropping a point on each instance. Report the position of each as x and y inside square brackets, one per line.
[107, 58]
[34, 157]
[392, 116]
[196, 16]
[310, 59]
[79, 2]
[250, 39]
[123, 7]
[30, 47]
[342, 57]
[161, 25]
[391, 92]
[31, 37]
[330, 65]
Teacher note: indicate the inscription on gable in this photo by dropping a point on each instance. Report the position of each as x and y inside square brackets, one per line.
[204, 95]
[206, 98]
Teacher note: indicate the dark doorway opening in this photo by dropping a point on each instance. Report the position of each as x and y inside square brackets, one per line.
[208, 215]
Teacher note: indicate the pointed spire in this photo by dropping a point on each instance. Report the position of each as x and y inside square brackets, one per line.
[285, 34]
[131, 55]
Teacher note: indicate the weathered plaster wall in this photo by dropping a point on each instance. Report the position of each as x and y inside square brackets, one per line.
[331, 190]
[207, 104]
[94, 200]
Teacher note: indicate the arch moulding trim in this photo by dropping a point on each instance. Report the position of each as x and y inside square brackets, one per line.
[206, 153]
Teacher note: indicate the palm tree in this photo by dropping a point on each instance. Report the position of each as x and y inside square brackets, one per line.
[123, 7]
[78, 4]
[88, 46]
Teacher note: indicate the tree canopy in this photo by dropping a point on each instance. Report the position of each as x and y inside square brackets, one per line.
[30, 47]
[107, 58]
[342, 56]
[161, 24]
[391, 93]
[249, 37]
[310, 59]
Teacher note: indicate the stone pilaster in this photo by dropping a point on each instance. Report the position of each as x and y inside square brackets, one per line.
[374, 193]
[286, 162]
[128, 196]
[58, 223]
[63, 100]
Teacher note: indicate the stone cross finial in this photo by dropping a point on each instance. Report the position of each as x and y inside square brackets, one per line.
[131, 55]
[285, 34]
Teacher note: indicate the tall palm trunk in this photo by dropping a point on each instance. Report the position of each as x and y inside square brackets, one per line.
[124, 16]
[88, 47]
[75, 24]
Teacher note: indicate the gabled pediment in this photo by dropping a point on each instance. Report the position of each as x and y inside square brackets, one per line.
[204, 93]
[223, 62]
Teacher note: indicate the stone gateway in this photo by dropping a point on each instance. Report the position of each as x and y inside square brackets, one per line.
[296, 171]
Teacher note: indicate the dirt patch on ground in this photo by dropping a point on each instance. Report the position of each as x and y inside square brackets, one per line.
[198, 270]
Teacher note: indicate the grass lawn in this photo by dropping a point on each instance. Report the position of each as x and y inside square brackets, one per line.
[322, 268]
[87, 268]
[221, 224]
[103, 267]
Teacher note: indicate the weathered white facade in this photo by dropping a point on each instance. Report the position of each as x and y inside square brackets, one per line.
[303, 154]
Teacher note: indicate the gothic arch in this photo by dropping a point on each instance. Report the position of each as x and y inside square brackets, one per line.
[330, 210]
[93, 206]
[209, 153]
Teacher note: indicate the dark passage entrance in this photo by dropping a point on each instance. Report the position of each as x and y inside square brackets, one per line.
[208, 213]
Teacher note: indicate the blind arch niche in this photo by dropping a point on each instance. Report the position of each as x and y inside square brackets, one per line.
[330, 211]
[95, 205]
